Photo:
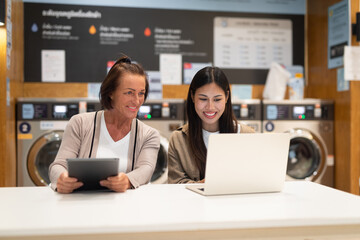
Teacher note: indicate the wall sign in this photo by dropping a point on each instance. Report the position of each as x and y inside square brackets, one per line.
[93, 36]
[338, 33]
[247, 43]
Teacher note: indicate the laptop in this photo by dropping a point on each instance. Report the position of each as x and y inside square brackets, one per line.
[245, 163]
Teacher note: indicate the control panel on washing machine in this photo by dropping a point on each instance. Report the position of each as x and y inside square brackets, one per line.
[298, 111]
[247, 111]
[161, 110]
[40, 109]
[64, 111]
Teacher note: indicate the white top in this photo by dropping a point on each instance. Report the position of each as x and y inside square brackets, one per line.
[207, 134]
[108, 148]
[30, 211]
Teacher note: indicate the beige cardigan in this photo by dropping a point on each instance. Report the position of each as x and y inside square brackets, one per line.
[181, 166]
[76, 143]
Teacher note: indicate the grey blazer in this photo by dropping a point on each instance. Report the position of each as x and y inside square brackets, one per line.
[77, 139]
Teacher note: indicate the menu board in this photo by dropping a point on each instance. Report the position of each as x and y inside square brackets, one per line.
[78, 43]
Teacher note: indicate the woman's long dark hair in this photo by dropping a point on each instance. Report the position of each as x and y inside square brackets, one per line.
[227, 121]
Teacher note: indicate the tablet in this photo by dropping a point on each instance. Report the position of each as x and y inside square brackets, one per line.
[91, 171]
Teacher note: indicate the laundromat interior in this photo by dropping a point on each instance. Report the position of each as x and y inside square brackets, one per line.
[51, 61]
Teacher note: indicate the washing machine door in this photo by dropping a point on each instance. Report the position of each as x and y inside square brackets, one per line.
[160, 173]
[306, 158]
[41, 155]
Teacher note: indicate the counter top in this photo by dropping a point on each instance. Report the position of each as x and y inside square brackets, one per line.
[38, 211]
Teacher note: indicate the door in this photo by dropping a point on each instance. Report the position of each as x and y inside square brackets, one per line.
[41, 155]
[306, 159]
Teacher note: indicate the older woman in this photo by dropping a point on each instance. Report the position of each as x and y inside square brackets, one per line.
[114, 132]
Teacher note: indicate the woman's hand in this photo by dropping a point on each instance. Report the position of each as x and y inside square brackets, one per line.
[119, 183]
[202, 181]
[66, 184]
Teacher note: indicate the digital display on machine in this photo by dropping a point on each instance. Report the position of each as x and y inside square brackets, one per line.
[59, 111]
[299, 112]
[274, 112]
[144, 112]
[145, 109]
[34, 111]
[40, 111]
[60, 108]
[27, 111]
[236, 110]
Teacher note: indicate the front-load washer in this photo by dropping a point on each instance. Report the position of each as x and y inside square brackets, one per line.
[248, 111]
[40, 126]
[310, 123]
[165, 116]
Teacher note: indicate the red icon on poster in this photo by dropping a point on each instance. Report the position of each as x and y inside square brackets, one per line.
[147, 32]
[187, 65]
[109, 65]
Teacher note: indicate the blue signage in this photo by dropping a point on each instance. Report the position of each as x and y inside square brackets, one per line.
[338, 33]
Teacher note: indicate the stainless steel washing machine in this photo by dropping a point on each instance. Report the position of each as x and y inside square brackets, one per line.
[249, 112]
[311, 125]
[165, 116]
[40, 126]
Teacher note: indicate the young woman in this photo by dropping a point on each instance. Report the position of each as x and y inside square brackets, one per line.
[113, 132]
[209, 111]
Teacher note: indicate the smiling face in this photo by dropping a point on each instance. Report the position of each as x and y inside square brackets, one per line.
[209, 101]
[129, 95]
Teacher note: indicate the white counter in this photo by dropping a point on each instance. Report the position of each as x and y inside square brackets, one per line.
[165, 211]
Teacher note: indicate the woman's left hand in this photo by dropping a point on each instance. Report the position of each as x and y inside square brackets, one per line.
[119, 183]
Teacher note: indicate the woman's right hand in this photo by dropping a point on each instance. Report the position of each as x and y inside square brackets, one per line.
[66, 184]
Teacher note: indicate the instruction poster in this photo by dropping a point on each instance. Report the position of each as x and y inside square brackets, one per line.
[91, 37]
[338, 33]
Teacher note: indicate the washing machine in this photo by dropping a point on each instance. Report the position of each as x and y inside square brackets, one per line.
[248, 111]
[40, 126]
[310, 123]
[165, 116]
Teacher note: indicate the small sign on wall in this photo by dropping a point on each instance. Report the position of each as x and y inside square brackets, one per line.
[170, 68]
[342, 85]
[338, 33]
[53, 65]
[352, 63]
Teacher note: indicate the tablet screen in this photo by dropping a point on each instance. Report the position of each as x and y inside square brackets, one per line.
[91, 171]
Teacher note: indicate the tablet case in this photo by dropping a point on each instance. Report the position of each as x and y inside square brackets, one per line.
[91, 171]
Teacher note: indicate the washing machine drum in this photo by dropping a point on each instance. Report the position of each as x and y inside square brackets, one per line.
[306, 158]
[41, 155]
[160, 172]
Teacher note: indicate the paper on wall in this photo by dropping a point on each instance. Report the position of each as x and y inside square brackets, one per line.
[170, 68]
[296, 82]
[342, 85]
[191, 68]
[351, 63]
[155, 86]
[93, 90]
[53, 65]
[241, 91]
